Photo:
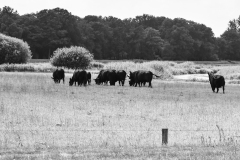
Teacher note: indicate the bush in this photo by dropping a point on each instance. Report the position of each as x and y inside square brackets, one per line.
[74, 58]
[13, 50]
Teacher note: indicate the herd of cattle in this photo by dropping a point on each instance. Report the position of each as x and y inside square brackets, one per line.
[108, 75]
[139, 78]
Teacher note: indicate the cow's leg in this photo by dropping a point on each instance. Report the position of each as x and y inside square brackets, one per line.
[150, 84]
[223, 89]
[213, 89]
[63, 80]
[217, 90]
[123, 83]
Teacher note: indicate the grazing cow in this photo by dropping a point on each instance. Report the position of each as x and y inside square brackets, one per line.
[121, 76]
[106, 75]
[58, 75]
[80, 77]
[112, 77]
[74, 79]
[89, 78]
[216, 81]
[140, 78]
[100, 78]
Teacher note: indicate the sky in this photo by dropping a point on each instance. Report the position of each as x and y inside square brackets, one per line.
[213, 13]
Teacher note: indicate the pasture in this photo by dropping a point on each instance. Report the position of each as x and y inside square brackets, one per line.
[43, 120]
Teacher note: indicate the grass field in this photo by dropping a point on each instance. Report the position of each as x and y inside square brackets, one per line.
[43, 120]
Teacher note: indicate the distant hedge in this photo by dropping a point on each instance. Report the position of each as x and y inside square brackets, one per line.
[74, 57]
[13, 50]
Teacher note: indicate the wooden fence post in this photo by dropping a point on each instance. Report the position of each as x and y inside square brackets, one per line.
[165, 136]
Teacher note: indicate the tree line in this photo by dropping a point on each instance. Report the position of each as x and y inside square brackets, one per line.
[143, 37]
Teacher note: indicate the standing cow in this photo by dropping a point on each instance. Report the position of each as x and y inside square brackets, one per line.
[121, 76]
[216, 81]
[107, 75]
[101, 78]
[140, 78]
[58, 75]
[80, 77]
[74, 79]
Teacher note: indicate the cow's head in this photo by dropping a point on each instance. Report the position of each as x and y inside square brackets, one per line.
[131, 82]
[210, 75]
[55, 79]
[97, 81]
[89, 81]
[70, 82]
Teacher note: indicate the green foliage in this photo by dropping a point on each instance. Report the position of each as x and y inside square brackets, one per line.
[13, 50]
[74, 57]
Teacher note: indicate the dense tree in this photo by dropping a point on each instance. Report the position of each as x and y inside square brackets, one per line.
[228, 43]
[142, 37]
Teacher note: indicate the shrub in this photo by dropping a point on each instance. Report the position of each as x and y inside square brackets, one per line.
[13, 50]
[74, 57]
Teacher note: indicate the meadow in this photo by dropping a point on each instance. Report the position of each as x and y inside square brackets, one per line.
[43, 120]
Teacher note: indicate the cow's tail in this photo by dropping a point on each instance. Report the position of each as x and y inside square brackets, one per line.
[156, 75]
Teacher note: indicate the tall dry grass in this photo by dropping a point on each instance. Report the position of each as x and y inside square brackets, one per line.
[166, 69]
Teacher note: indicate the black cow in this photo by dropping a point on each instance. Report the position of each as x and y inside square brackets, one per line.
[58, 75]
[74, 79]
[216, 81]
[89, 78]
[140, 78]
[132, 79]
[112, 77]
[80, 77]
[121, 76]
[101, 78]
[106, 75]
